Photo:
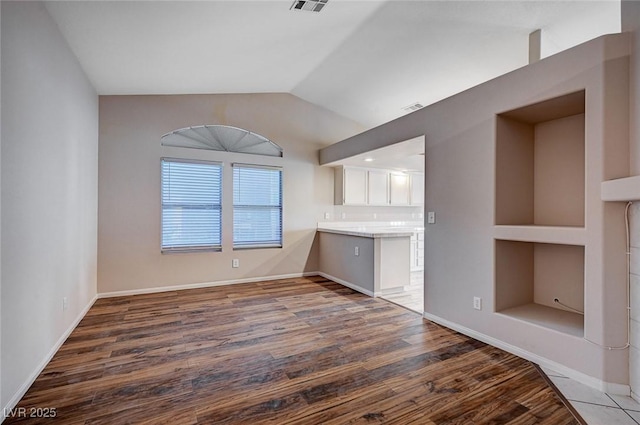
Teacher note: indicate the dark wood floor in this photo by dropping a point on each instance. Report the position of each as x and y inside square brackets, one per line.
[297, 351]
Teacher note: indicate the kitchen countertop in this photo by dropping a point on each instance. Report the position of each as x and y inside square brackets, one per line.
[372, 229]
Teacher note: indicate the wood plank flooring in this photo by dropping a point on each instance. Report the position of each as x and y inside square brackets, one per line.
[296, 351]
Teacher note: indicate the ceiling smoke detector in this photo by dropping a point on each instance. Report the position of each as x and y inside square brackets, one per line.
[413, 107]
[308, 5]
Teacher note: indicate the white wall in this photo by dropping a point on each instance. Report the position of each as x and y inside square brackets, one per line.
[373, 213]
[49, 192]
[129, 255]
[1, 402]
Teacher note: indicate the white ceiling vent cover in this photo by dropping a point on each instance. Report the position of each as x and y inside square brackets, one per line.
[221, 138]
[308, 5]
[413, 107]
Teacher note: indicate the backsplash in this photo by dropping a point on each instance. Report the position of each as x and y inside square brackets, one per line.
[371, 213]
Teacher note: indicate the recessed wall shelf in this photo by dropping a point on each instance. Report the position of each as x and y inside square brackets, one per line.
[539, 231]
[540, 163]
[530, 275]
[548, 317]
[543, 234]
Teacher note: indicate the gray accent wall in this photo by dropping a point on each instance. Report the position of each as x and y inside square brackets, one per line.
[460, 186]
[338, 261]
[49, 167]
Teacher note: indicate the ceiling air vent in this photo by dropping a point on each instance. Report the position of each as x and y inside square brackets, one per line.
[309, 5]
[413, 107]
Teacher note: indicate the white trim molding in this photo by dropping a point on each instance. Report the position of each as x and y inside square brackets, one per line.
[157, 289]
[347, 284]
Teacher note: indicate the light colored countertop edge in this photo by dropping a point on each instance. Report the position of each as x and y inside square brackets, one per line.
[367, 234]
[372, 229]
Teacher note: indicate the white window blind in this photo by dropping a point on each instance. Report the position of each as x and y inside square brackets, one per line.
[191, 205]
[257, 206]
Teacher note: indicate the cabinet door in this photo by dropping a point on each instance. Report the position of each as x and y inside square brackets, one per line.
[378, 189]
[355, 186]
[399, 189]
[417, 189]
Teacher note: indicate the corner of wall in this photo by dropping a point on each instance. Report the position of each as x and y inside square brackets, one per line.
[630, 14]
[53, 255]
[0, 202]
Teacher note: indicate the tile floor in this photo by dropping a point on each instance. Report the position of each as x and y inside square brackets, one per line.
[413, 295]
[596, 408]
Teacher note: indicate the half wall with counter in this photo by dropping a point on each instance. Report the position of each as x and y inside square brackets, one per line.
[372, 258]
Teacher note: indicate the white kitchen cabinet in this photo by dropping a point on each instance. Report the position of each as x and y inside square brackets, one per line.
[417, 251]
[417, 188]
[355, 186]
[399, 189]
[378, 187]
[350, 186]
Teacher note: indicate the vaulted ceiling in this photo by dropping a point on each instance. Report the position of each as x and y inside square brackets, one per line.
[363, 59]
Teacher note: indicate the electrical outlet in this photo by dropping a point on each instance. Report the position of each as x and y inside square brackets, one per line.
[431, 217]
[356, 251]
[65, 304]
[327, 216]
[375, 216]
[477, 303]
[343, 215]
[235, 263]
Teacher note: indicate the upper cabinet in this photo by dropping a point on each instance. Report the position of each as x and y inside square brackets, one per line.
[417, 188]
[355, 186]
[377, 187]
[399, 189]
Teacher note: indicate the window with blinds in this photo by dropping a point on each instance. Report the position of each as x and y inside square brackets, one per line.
[191, 205]
[257, 206]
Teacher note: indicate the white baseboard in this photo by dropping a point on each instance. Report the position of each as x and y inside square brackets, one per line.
[391, 291]
[590, 381]
[203, 285]
[45, 361]
[347, 284]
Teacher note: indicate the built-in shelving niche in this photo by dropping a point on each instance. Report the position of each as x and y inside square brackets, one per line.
[540, 163]
[540, 192]
[530, 275]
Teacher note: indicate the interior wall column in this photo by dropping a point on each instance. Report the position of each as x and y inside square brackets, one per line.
[630, 17]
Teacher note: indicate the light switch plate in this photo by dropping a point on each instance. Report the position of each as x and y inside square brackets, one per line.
[431, 217]
[477, 303]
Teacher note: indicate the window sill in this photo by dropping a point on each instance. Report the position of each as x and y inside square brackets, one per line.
[189, 250]
[241, 248]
